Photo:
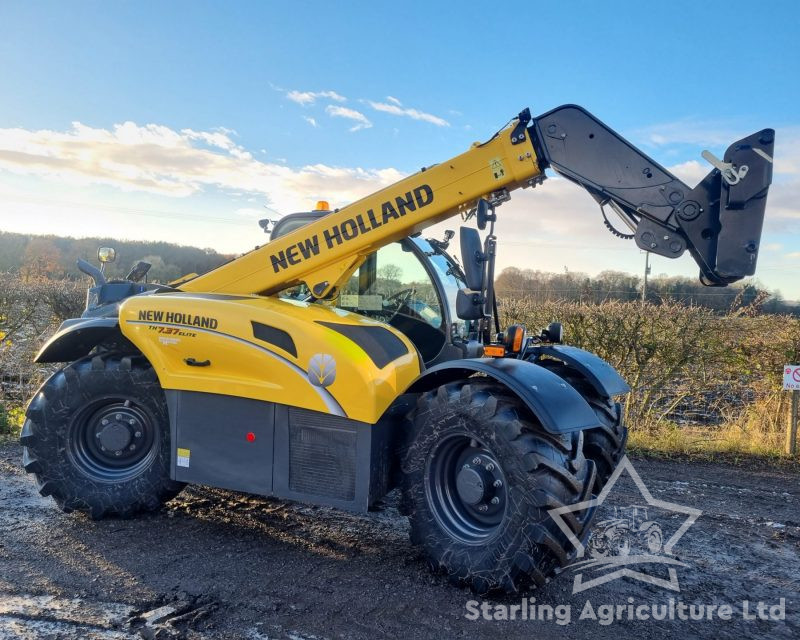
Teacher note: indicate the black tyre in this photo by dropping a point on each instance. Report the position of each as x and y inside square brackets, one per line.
[479, 478]
[606, 444]
[97, 437]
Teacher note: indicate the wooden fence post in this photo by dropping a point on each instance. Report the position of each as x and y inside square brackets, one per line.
[791, 433]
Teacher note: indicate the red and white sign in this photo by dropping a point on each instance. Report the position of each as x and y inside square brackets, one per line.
[791, 377]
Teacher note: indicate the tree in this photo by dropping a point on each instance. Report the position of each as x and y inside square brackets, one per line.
[42, 258]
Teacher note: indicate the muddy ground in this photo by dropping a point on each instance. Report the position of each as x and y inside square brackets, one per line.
[226, 565]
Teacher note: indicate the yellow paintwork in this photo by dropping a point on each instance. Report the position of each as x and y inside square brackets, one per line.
[244, 366]
[455, 184]
[241, 365]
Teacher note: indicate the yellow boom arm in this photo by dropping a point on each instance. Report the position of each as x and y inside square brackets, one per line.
[719, 221]
[323, 254]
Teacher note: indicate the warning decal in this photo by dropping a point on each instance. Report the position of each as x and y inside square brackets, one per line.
[183, 457]
[496, 165]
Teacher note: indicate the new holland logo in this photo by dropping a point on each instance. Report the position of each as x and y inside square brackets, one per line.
[321, 370]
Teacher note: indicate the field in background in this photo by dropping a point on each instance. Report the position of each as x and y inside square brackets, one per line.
[702, 382]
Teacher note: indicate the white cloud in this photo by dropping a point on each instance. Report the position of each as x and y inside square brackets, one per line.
[157, 159]
[305, 98]
[393, 100]
[362, 122]
[547, 227]
[311, 121]
[691, 172]
[415, 114]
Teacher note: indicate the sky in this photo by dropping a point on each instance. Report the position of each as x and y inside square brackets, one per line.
[188, 121]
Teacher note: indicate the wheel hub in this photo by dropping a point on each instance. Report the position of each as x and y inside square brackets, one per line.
[469, 484]
[480, 482]
[114, 437]
[466, 488]
[117, 432]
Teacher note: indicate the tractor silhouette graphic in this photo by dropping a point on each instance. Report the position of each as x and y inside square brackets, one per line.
[629, 532]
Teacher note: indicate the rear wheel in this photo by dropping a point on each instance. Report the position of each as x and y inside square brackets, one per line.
[604, 445]
[96, 436]
[479, 479]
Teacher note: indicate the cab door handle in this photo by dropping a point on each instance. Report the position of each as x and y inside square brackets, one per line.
[197, 363]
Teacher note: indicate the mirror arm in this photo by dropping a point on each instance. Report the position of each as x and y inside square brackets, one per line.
[90, 270]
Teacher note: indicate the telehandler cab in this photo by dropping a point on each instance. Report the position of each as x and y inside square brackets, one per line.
[349, 356]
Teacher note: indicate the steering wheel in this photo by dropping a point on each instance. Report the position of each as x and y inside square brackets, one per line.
[399, 299]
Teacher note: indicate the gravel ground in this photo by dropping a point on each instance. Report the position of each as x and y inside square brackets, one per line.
[220, 564]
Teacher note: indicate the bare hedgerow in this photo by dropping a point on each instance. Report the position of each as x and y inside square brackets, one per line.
[30, 311]
[690, 369]
[686, 365]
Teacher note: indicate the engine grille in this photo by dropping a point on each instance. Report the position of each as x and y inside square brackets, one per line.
[322, 455]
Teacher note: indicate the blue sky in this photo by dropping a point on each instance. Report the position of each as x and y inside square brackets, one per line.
[180, 121]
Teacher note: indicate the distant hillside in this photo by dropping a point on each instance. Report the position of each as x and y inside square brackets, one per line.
[55, 256]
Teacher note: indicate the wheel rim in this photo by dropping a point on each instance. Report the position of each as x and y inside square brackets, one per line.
[112, 439]
[466, 489]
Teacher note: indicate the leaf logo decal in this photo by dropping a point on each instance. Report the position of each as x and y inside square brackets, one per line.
[321, 370]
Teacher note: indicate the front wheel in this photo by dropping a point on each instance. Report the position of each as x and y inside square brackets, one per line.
[97, 437]
[479, 479]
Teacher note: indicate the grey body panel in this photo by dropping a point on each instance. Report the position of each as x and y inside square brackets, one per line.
[76, 338]
[214, 428]
[601, 375]
[292, 453]
[557, 405]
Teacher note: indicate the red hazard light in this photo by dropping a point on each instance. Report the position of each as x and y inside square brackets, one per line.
[251, 437]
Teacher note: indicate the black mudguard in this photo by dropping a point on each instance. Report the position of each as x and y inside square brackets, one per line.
[76, 338]
[602, 376]
[557, 405]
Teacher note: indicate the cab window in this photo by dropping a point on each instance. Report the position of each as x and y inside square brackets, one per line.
[394, 287]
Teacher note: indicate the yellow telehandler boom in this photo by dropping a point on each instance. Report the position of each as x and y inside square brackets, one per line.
[719, 221]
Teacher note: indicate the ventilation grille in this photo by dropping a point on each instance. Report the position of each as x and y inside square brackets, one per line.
[322, 455]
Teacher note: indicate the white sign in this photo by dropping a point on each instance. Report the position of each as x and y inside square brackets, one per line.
[791, 377]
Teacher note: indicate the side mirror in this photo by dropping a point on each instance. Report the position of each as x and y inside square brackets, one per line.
[469, 304]
[472, 257]
[138, 271]
[554, 333]
[106, 254]
[485, 214]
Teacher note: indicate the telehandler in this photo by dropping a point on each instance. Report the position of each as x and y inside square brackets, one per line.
[349, 356]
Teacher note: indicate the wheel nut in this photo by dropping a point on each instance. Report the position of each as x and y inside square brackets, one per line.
[104, 422]
[118, 416]
[131, 422]
[483, 507]
[133, 448]
[490, 467]
[138, 434]
[466, 466]
[96, 435]
[102, 448]
[495, 500]
[497, 484]
[476, 461]
[118, 453]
